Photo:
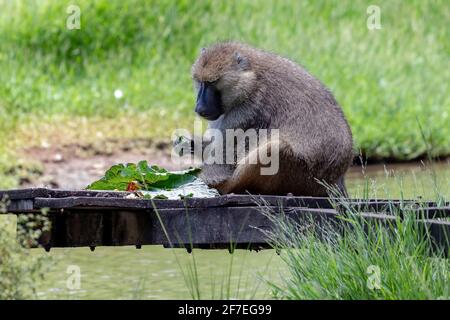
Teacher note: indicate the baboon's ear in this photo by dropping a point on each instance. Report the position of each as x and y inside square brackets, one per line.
[202, 50]
[241, 60]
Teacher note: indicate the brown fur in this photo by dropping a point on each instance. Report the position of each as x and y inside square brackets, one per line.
[262, 90]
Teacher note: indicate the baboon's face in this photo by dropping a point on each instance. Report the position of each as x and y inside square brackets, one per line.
[209, 101]
[222, 78]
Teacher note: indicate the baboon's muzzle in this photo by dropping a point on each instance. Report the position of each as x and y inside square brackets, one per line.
[208, 102]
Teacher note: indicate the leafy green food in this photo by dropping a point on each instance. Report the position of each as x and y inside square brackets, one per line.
[142, 176]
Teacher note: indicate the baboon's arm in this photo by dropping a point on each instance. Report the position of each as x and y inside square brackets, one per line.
[188, 144]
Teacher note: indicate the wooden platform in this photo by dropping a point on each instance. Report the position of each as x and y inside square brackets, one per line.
[101, 218]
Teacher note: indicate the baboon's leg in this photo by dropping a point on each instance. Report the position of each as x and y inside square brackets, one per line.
[292, 176]
[245, 176]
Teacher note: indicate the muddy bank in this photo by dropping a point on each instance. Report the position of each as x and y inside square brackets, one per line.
[75, 166]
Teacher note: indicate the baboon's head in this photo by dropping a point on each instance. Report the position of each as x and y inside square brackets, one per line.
[223, 78]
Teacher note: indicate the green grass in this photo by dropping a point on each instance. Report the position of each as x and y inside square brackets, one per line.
[379, 264]
[231, 284]
[366, 260]
[52, 78]
[19, 268]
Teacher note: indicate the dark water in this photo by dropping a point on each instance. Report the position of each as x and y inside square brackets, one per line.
[155, 273]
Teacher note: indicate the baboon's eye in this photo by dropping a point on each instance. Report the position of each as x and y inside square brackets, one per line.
[212, 82]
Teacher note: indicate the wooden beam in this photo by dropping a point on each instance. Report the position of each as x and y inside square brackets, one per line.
[105, 218]
[220, 227]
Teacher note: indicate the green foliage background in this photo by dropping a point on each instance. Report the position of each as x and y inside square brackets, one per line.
[19, 268]
[385, 79]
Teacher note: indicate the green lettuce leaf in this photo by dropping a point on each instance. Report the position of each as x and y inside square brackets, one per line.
[142, 176]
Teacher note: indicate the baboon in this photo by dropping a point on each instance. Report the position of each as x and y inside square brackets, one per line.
[241, 87]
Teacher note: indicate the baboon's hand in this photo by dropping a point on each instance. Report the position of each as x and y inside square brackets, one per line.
[183, 145]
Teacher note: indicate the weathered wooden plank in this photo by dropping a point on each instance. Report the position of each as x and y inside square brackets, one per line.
[421, 210]
[131, 229]
[22, 205]
[17, 194]
[94, 218]
[124, 203]
[132, 204]
[20, 201]
[439, 232]
[219, 227]
[200, 227]
[31, 193]
[432, 212]
[14, 194]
